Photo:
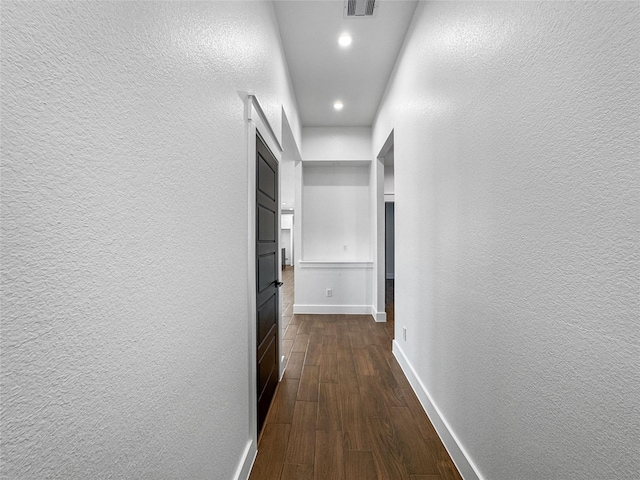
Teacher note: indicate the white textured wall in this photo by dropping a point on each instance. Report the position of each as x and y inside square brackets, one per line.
[517, 228]
[351, 285]
[336, 220]
[389, 186]
[124, 234]
[290, 155]
[336, 228]
[336, 143]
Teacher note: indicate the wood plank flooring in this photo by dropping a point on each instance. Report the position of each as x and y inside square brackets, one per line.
[344, 409]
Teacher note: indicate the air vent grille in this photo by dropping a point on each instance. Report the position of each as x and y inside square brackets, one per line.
[360, 8]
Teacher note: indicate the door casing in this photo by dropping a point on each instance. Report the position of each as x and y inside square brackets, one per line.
[268, 276]
[256, 123]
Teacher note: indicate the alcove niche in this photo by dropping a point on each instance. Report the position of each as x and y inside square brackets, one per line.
[335, 197]
[335, 273]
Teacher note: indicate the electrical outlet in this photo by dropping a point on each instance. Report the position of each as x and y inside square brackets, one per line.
[345, 248]
[404, 333]
[329, 292]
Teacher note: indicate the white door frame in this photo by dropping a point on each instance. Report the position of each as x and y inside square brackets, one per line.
[380, 272]
[257, 122]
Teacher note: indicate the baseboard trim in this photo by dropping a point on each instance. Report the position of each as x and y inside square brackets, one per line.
[246, 462]
[315, 264]
[380, 317]
[458, 454]
[333, 309]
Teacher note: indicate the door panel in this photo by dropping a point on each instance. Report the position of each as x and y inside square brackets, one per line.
[266, 271]
[266, 222]
[266, 364]
[266, 179]
[266, 277]
[267, 317]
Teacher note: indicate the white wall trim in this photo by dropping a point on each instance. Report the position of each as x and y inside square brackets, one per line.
[380, 317]
[246, 462]
[333, 309]
[458, 454]
[323, 264]
[257, 115]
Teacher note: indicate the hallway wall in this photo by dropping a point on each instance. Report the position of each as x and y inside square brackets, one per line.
[336, 246]
[517, 200]
[124, 234]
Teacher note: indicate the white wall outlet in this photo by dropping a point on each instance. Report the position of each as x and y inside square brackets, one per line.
[345, 248]
[404, 333]
[329, 292]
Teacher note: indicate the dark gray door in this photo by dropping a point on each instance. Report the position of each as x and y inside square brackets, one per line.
[266, 277]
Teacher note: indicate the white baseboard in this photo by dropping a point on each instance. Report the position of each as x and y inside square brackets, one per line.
[333, 309]
[378, 316]
[246, 462]
[459, 456]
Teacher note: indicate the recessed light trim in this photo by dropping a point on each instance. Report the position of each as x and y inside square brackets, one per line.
[344, 40]
[338, 105]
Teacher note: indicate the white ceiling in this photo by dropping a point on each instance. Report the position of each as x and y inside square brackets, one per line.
[323, 72]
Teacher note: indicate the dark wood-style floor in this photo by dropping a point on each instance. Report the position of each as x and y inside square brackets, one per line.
[344, 409]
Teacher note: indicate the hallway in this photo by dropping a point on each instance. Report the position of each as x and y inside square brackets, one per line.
[128, 262]
[344, 409]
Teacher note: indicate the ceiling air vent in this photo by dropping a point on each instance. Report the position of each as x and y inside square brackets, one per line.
[359, 8]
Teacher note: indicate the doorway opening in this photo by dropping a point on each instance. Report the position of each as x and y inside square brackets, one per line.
[286, 298]
[389, 223]
[289, 236]
[385, 229]
[267, 277]
[389, 235]
[289, 326]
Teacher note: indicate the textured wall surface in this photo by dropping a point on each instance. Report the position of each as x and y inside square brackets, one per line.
[336, 143]
[336, 227]
[336, 213]
[351, 285]
[336, 221]
[517, 228]
[124, 234]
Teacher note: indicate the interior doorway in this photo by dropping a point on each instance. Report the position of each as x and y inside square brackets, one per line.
[289, 220]
[287, 291]
[389, 228]
[389, 236]
[288, 326]
[267, 277]
[385, 248]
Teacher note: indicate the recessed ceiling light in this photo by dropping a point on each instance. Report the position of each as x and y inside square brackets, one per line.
[338, 105]
[344, 40]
